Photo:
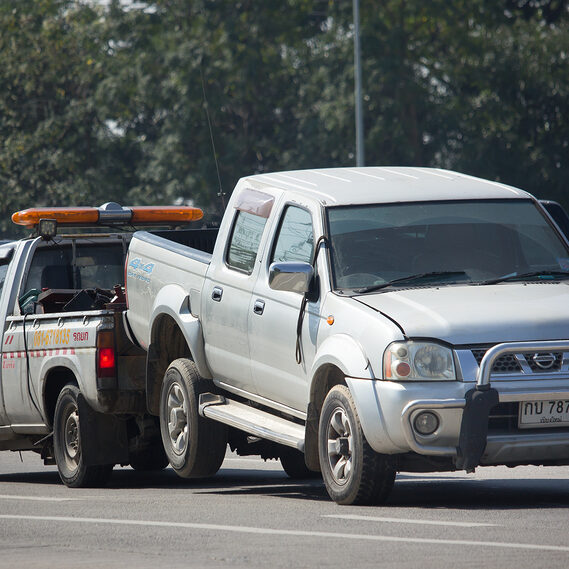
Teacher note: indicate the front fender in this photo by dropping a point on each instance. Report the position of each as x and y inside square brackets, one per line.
[345, 353]
[174, 301]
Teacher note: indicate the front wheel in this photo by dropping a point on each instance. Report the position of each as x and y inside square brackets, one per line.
[352, 471]
[69, 444]
[194, 445]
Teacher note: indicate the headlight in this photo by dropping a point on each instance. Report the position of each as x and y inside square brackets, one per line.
[418, 361]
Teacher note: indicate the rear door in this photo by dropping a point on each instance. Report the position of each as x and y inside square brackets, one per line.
[228, 288]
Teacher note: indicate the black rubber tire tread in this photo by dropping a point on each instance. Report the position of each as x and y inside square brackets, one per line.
[373, 474]
[152, 458]
[80, 476]
[293, 464]
[207, 440]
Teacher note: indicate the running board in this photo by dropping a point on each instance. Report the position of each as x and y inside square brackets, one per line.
[253, 421]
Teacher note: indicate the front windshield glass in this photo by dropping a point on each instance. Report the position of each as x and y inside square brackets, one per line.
[436, 243]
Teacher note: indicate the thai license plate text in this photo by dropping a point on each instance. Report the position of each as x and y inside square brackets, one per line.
[537, 414]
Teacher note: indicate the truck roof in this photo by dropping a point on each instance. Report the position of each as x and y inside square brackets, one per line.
[385, 184]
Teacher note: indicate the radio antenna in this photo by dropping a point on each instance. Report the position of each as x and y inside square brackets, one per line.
[221, 193]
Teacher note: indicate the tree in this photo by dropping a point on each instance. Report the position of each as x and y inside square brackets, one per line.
[54, 140]
[157, 101]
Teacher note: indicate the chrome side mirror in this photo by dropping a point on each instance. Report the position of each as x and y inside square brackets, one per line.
[291, 276]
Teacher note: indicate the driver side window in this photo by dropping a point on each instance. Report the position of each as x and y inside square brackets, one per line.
[295, 240]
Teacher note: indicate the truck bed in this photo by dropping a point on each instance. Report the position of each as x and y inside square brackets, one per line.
[157, 264]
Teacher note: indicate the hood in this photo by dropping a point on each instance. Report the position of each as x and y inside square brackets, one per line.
[506, 312]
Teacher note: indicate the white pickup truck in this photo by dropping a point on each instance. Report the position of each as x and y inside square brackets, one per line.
[72, 382]
[360, 322]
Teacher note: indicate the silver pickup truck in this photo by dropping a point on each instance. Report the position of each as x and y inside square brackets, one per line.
[359, 322]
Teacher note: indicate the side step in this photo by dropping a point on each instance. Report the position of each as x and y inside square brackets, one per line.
[253, 421]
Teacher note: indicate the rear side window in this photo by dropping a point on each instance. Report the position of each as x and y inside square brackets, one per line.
[245, 240]
[253, 208]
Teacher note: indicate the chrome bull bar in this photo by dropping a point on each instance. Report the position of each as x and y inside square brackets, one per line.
[490, 357]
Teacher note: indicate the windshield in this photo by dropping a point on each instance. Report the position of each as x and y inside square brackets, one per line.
[433, 243]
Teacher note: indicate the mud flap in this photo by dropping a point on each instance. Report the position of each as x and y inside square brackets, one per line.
[104, 436]
[474, 427]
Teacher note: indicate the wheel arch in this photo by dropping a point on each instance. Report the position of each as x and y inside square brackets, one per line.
[173, 335]
[338, 357]
[56, 379]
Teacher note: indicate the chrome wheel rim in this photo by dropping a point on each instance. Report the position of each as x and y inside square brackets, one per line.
[177, 413]
[339, 446]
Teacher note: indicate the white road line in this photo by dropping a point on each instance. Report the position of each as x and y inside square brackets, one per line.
[409, 521]
[37, 498]
[284, 532]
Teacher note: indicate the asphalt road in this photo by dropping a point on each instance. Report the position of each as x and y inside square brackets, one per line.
[251, 515]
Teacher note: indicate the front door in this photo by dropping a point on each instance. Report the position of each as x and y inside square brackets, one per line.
[273, 317]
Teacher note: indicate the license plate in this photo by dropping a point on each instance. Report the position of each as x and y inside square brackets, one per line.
[538, 414]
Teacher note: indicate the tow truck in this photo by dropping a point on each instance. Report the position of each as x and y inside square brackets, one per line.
[72, 383]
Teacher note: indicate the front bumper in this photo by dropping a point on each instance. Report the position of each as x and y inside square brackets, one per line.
[464, 409]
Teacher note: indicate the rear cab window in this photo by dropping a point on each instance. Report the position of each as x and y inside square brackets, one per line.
[69, 267]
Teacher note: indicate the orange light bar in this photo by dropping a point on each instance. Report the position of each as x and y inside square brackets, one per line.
[165, 214]
[107, 215]
[67, 215]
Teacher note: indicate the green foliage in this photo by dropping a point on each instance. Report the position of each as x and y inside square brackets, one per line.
[114, 102]
[53, 141]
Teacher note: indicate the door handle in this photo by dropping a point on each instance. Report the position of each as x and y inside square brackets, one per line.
[217, 293]
[259, 307]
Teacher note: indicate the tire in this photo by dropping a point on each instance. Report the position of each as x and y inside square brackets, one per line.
[293, 464]
[69, 445]
[152, 458]
[353, 472]
[195, 446]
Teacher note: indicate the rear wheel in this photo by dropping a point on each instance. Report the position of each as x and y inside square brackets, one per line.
[293, 464]
[353, 472]
[195, 446]
[69, 444]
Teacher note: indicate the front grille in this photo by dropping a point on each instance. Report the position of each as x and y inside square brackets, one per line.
[536, 362]
[504, 364]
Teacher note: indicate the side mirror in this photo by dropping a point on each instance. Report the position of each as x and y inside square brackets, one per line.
[291, 276]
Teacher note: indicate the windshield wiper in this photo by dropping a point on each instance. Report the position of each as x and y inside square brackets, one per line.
[552, 274]
[409, 278]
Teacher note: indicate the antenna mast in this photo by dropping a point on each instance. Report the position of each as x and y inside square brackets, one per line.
[221, 193]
